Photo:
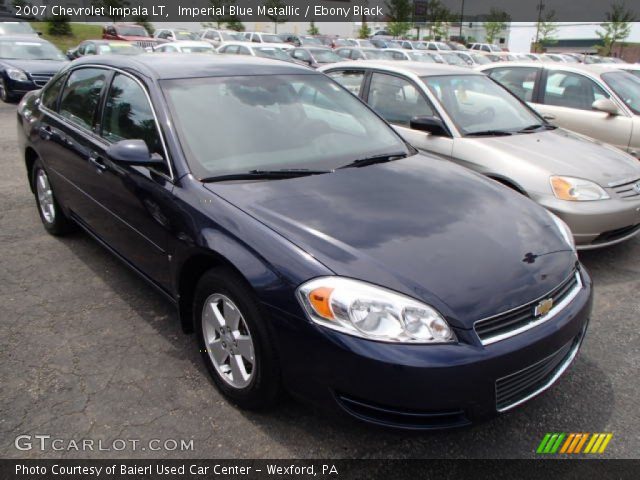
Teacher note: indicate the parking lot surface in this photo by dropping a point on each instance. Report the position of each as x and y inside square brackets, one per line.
[90, 351]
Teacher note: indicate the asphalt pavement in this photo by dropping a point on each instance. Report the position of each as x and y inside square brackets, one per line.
[90, 351]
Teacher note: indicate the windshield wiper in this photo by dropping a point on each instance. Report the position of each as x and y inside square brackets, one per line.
[537, 126]
[490, 133]
[386, 157]
[265, 175]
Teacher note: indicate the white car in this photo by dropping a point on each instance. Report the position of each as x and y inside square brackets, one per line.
[185, 47]
[259, 37]
[218, 37]
[176, 35]
[437, 46]
[485, 47]
[275, 51]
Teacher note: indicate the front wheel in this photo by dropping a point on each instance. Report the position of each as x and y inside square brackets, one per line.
[5, 94]
[234, 341]
[52, 216]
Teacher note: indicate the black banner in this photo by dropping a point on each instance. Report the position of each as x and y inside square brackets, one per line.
[319, 469]
[313, 10]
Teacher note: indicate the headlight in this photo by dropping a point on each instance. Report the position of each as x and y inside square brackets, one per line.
[577, 189]
[17, 75]
[375, 313]
[565, 231]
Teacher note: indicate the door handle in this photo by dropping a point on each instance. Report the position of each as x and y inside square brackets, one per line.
[46, 132]
[548, 116]
[98, 162]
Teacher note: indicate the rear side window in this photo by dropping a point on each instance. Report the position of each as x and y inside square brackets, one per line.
[128, 115]
[351, 80]
[397, 100]
[571, 90]
[518, 80]
[81, 96]
[50, 94]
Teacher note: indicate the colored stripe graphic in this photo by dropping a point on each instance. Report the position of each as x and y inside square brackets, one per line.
[572, 443]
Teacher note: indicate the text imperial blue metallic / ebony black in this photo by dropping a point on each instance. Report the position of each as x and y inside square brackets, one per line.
[304, 242]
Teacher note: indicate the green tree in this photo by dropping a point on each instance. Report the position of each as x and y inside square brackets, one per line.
[364, 31]
[546, 30]
[496, 22]
[145, 23]
[399, 14]
[313, 30]
[220, 7]
[233, 23]
[274, 17]
[58, 25]
[439, 18]
[110, 4]
[617, 27]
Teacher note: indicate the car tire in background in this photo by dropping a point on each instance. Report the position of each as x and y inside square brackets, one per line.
[5, 94]
[234, 340]
[53, 218]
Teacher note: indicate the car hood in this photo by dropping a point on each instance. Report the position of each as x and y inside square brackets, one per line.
[562, 152]
[422, 226]
[37, 66]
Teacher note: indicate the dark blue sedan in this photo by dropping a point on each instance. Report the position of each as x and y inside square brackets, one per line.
[307, 245]
[26, 63]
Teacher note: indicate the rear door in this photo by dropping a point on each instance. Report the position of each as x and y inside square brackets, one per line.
[565, 100]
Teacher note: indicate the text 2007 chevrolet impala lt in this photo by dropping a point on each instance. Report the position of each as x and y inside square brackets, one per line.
[308, 246]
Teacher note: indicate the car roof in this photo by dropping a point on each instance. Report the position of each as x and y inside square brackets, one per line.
[177, 65]
[24, 38]
[593, 69]
[188, 43]
[405, 66]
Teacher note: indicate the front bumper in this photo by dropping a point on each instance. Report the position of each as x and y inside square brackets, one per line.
[20, 88]
[423, 386]
[599, 223]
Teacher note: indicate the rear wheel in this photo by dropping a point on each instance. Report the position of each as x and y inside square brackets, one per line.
[52, 216]
[234, 341]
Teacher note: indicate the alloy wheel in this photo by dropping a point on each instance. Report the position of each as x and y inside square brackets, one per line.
[45, 197]
[228, 341]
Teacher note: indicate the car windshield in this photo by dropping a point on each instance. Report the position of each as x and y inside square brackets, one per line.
[119, 49]
[270, 38]
[421, 57]
[272, 122]
[310, 41]
[184, 35]
[132, 31]
[20, 28]
[627, 88]
[442, 46]
[29, 50]
[453, 59]
[480, 59]
[272, 52]
[197, 49]
[477, 104]
[229, 36]
[364, 43]
[392, 44]
[324, 55]
[375, 54]
[495, 48]
[347, 43]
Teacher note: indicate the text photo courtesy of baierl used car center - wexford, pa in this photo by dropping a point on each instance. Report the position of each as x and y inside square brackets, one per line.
[327, 238]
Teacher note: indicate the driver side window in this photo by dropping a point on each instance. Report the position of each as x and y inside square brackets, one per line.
[397, 99]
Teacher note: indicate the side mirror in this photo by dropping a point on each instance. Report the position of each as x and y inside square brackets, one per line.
[39, 33]
[133, 152]
[431, 125]
[606, 105]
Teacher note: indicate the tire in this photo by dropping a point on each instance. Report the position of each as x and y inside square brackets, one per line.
[53, 218]
[5, 94]
[252, 386]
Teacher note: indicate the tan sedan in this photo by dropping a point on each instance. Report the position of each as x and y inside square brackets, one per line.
[599, 101]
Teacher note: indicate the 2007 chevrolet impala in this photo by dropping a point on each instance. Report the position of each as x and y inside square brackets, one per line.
[308, 246]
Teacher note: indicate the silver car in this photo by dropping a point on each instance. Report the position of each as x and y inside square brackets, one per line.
[600, 101]
[466, 117]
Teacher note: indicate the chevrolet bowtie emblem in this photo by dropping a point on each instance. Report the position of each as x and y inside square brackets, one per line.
[543, 307]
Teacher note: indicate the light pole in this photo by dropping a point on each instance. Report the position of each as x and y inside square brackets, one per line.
[461, 19]
[540, 9]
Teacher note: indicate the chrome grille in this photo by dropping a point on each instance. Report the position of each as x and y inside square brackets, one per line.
[629, 189]
[146, 43]
[520, 319]
[41, 79]
[524, 384]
